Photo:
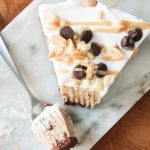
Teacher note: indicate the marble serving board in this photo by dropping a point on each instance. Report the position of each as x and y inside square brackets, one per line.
[15, 113]
[25, 40]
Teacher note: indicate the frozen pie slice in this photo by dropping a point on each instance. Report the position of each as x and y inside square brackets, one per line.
[54, 128]
[89, 45]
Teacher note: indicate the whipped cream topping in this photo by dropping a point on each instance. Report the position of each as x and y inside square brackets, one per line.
[74, 12]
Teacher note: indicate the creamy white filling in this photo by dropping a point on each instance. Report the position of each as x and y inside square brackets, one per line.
[51, 116]
[74, 12]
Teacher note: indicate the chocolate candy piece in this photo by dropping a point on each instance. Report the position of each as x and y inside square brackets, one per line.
[127, 43]
[101, 67]
[66, 32]
[86, 36]
[135, 33]
[66, 144]
[95, 49]
[79, 72]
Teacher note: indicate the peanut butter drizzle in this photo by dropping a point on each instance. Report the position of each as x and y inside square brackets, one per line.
[53, 28]
[128, 24]
[117, 29]
[88, 23]
[134, 49]
[122, 26]
[72, 23]
[108, 72]
[58, 59]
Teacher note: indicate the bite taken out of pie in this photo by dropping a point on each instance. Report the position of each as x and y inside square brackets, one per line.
[89, 45]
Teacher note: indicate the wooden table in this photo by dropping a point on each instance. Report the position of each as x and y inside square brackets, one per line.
[132, 132]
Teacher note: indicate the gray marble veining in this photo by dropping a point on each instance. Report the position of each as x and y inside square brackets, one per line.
[15, 113]
[26, 44]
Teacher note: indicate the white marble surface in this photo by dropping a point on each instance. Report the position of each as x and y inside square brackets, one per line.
[15, 110]
[25, 41]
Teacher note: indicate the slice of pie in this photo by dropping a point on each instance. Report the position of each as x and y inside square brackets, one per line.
[89, 45]
[54, 128]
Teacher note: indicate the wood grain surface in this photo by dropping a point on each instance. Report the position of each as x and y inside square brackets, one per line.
[132, 132]
[9, 9]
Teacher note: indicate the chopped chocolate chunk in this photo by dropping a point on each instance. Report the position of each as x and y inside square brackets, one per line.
[66, 32]
[101, 67]
[95, 49]
[79, 72]
[51, 127]
[73, 142]
[86, 36]
[75, 104]
[127, 43]
[65, 144]
[135, 33]
[71, 103]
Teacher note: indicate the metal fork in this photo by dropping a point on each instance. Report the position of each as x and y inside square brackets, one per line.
[9, 60]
